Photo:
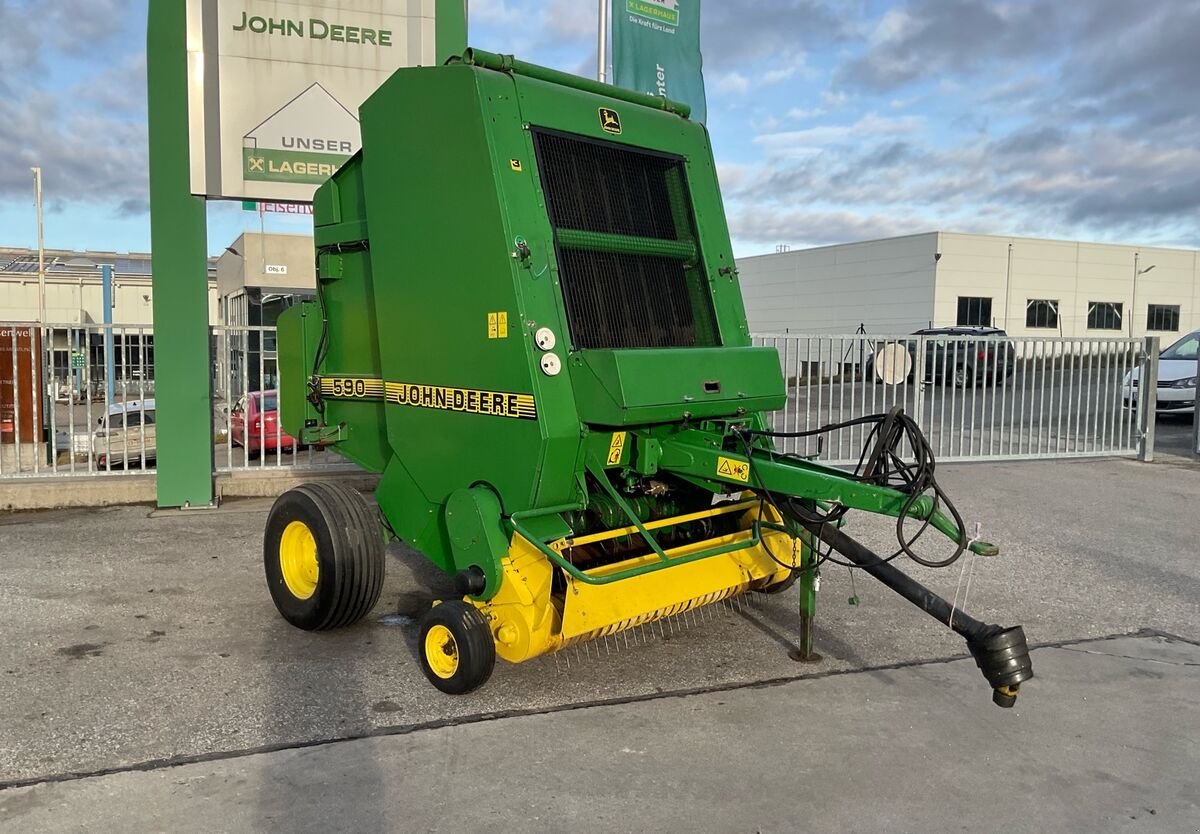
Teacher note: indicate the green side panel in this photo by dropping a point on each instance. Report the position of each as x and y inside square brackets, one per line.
[438, 266]
[182, 374]
[477, 534]
[340, 209]
[296, 334]
[631, 387]
[443, 218]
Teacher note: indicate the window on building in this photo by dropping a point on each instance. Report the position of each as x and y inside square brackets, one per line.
[1041, 312]
[1104, 315]
[974, 311]
[1163, 317]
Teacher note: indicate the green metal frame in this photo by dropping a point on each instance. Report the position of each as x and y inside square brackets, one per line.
[516, 520]
[178, 242]
[695, 454]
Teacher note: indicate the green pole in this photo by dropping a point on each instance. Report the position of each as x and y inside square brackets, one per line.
[450, 29]
[178, 240]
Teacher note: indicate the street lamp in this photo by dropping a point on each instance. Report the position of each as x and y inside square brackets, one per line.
[37, 194]
[1133, 301]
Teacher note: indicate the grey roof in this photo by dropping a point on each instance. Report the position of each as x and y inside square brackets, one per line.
[60, 262]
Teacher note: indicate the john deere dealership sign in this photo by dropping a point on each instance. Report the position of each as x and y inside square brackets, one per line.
[275, 87]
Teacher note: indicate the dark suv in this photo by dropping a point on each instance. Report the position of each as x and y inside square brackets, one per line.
[953, 354]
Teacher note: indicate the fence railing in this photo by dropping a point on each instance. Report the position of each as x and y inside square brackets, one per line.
[79, 400]
[974, 397]
[247, 432]
[76, 399]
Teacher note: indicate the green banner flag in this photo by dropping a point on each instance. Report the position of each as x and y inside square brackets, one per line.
[656, 50]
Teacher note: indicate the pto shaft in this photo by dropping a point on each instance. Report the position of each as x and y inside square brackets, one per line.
[1001, 653]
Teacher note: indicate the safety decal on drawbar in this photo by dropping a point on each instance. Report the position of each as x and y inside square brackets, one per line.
[440, 397]
[739, 470]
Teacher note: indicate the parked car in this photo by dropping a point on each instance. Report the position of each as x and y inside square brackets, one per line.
[1176, 393]
[254, 423]
[126, 434]
[953, 354]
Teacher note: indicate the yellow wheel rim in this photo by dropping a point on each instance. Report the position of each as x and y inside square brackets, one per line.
[298, 560]
[441, 651]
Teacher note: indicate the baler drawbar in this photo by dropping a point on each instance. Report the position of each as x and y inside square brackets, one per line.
[528, 322]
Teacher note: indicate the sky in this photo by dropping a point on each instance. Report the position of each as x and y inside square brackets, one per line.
[831, 120]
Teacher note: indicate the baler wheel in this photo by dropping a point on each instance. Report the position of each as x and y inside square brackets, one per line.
[323, 555]
[456, 648]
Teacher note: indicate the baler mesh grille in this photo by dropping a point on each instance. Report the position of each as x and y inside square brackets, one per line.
[624, 299]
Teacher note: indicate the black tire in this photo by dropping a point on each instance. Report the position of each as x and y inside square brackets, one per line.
[349, 569]
[457, 630]
[964, 377]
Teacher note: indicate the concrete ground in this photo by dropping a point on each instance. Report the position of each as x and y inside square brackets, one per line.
[888, 750]
[147, 683]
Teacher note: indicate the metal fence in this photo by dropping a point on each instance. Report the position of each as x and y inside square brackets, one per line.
[79, 400]
[75, 399]
[974, 397]
[247, 432]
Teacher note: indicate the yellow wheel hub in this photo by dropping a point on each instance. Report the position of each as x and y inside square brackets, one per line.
[441, 651]
[298, 560]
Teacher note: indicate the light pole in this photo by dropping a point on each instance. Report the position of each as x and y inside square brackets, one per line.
[1133, 301]
[602, 42]
[37, 192]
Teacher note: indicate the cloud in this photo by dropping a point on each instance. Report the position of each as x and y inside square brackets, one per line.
[731, 82]
[818, 228]
[930, 39]
[71, 103]
[1039, 118]
[734, 35]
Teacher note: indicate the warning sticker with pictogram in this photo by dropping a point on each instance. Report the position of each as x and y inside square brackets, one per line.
[616, 448]
[739, 470]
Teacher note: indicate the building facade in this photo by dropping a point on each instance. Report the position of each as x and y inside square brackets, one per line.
[1026, 286]
[74, 290]
[258, 277]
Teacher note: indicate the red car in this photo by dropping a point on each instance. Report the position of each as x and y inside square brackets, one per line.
[254, 423]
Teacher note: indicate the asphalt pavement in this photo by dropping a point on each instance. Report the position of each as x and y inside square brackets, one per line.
[149, 685]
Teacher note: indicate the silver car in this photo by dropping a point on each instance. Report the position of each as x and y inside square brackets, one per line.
[1176, 392]
[126, 434]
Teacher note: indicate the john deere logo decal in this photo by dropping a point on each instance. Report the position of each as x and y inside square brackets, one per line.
[610, 121]
[664, 11]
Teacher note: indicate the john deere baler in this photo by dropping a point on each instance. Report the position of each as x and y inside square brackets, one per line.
[528, 320]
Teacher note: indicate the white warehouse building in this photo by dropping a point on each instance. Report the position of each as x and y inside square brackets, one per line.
[1026, 286]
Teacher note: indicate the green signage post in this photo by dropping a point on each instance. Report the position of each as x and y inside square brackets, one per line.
[179, 247]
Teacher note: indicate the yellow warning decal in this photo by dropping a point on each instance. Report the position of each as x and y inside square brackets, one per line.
[497, 325]
[739, 470]
[440, 397]
[616, 448]
[515, 164]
